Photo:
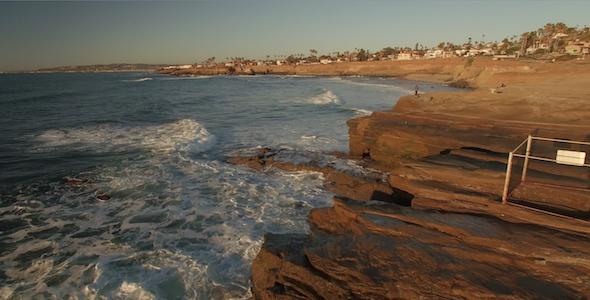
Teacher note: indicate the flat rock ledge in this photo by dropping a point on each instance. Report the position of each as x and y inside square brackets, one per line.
[377, 250]
[453, 241]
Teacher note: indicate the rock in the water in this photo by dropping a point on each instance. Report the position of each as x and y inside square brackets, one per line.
[103, 197]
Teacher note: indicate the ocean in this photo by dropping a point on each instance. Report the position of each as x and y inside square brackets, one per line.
[117, 186]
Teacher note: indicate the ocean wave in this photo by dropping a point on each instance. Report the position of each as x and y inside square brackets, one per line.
[182, 135]
[311, 139]
[396, 88]
[361, 112]
[138, 80]
[187, 77]
[327, 98]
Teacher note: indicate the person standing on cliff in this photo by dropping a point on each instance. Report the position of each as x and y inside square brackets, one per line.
[416, 90]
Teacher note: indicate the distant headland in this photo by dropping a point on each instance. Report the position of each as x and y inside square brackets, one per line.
[118, 67]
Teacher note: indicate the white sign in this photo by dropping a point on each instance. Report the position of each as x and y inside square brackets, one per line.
[568, 157]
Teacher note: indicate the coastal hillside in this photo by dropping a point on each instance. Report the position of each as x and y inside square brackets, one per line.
[479, 72]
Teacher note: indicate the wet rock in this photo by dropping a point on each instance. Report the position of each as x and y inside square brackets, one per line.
[75, 181]
[103, 197]
[359, 187]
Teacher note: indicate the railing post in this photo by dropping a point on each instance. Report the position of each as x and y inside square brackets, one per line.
[526, 158]
[507, 180]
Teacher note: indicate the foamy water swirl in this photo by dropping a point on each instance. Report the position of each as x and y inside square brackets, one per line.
[182, 135]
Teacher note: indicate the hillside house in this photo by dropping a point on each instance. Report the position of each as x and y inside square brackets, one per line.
[487, 51]
[578, 47]
[179, 67]
[438, 53]
[461, 52]
[407, 55]
[538, 46]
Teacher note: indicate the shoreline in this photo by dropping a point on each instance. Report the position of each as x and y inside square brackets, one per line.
[437, 228]
[479, 72]
[389, 69]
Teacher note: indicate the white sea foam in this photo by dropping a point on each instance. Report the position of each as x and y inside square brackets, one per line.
[132, 291]
[327, 98]
[224, 211]
[182, 135]
[391, 87]
[361, 112]
[138, 80]
[186, 77]
[313, 140]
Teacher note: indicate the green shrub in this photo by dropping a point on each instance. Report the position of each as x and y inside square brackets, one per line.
[565, 57]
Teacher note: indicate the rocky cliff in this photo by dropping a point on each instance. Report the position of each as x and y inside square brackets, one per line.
[433, 225]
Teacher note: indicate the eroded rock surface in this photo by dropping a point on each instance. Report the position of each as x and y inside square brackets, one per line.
[376, 250]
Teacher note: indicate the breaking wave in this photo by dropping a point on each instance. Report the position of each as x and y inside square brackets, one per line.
[361, 112]
[327, 98]
[138, 80]
[387, 84]
[182, 135]
[187, 77]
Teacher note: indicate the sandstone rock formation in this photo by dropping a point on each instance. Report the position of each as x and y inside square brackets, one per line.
[376, 250]
[433, 226]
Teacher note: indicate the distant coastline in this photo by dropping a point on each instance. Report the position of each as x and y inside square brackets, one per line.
[121, 67]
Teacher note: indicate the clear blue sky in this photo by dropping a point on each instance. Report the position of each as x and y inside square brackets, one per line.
[43, 34]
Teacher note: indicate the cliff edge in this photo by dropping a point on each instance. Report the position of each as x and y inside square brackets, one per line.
[436, 227]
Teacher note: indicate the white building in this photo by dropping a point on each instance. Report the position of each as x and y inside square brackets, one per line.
[405, 56]
[578, 47]
[537, 46]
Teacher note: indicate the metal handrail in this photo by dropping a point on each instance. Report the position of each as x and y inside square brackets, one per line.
[527, 156]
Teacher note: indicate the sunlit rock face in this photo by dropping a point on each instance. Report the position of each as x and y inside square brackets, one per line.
[437, 227]
[376, 250]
